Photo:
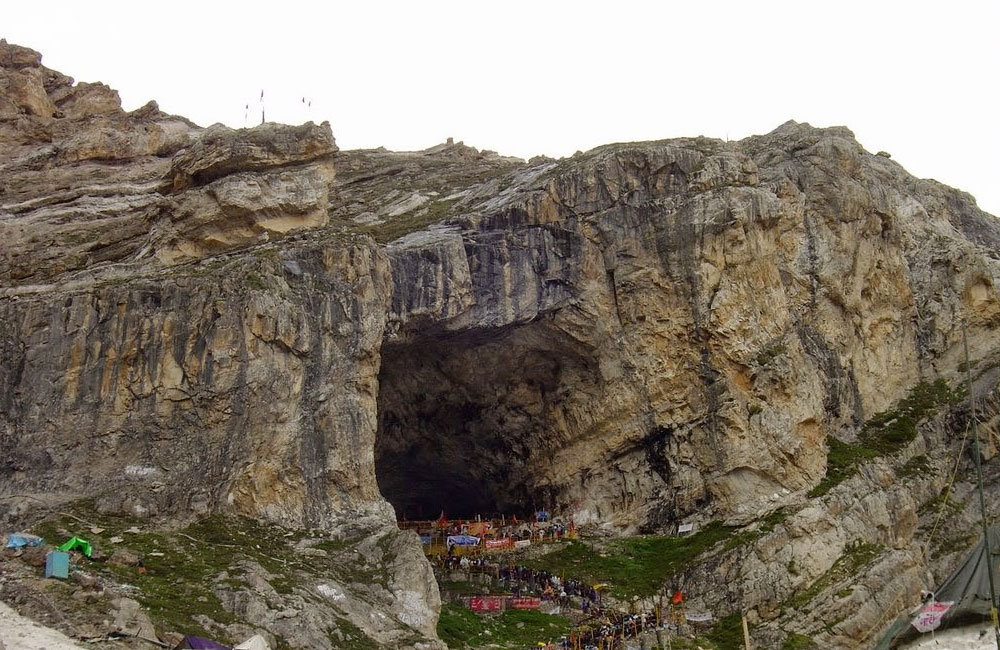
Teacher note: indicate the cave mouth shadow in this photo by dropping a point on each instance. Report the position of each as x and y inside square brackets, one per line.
[468, 421]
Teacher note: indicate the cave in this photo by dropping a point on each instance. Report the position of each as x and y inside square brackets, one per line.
[469, 421]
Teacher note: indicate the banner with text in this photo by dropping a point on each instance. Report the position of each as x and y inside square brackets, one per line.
[526, 602]
[503, 542]
[486, 603]
[929, 618]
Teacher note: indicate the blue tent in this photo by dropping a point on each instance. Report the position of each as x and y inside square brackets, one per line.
[17, 540]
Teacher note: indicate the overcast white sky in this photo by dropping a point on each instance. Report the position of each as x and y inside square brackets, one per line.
[917, 79]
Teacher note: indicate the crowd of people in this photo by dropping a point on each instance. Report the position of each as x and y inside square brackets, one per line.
[522, 580]
[600, 628]
[597, 627]
[616, 627]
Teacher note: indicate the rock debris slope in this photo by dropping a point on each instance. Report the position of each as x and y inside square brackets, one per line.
[253, 322]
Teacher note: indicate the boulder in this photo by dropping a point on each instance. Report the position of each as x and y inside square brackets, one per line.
[131, 619]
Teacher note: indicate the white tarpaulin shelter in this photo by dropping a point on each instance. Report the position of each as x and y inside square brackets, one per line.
[962, 599]
[256, 642]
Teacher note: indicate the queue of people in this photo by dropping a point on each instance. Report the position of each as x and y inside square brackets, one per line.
[599, 628]
[617, 626]
[522, 580]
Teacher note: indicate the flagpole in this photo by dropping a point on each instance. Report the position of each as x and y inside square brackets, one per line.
[982, 499]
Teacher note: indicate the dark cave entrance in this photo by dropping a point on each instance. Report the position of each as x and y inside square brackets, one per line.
[468, 421]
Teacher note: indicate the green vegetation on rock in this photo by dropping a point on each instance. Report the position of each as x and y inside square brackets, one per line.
[727, 634]
[796, 641]
[354, 638]
[939, 501]
[916, 466]
[764, 525]
[886, 433]
[633, 566]
[856, 557]
[842, 459]
[461, 587]
[771, 353]
[461, 628]
[414, 220]
[890, 431]
[683, 643]
[184, 571]
[953, 541]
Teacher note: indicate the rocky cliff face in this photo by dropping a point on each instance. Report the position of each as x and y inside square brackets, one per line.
[652, 331]
[209, 320]
[162, 387]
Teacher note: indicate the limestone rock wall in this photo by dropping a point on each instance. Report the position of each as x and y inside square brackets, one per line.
[194, 393]
[146, 365]
[196, 385]
[738, 303]
[198, 320]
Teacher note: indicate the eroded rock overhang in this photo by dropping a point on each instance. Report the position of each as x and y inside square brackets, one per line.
[710, 314]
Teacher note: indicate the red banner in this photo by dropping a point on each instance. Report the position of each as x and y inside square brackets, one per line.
[503, 542]
[486, 603]
[526, 602]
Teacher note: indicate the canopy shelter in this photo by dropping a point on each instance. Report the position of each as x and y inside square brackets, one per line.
[75, 543]
[256, 642]
[962, 599]
[200, 643]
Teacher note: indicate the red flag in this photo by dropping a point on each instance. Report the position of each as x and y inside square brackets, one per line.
[442, 520]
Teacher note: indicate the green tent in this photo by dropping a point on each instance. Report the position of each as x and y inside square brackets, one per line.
[968, 588]
[77, 543]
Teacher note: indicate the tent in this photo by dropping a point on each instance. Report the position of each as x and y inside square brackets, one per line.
[77, 543]
[963, 597]
[199, 643]
[256, 642]
[18, 540]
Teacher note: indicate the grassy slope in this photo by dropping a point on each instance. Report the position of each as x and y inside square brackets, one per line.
[460, 628]
[181, 584]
